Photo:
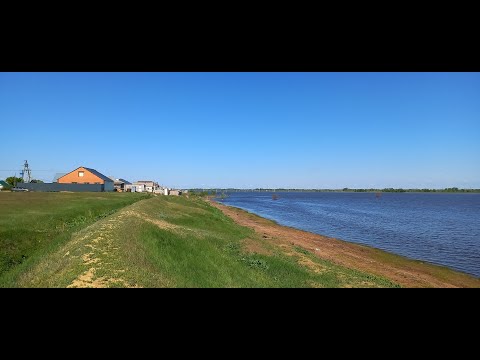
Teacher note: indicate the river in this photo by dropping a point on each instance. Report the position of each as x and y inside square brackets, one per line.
[440, 228]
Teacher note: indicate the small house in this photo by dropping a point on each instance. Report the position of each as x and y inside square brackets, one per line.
[3, 185]
[149, 186]
[137, 187]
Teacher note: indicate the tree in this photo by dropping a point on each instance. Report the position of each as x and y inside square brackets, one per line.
[12, 180]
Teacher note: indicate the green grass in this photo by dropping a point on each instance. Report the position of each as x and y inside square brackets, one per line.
[114, 240]
[62, 239]
[180, 242]
[33, 225]
[210, 253]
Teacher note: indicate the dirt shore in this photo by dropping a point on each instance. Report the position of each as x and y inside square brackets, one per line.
[406, 272]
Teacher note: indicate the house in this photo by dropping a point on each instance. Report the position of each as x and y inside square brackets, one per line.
[137, 187]
[150, 186]
[120, 185]
[175, 192]
[3, 185]
[84, 175]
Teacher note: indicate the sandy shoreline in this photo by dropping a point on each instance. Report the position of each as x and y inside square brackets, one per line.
[404, 271]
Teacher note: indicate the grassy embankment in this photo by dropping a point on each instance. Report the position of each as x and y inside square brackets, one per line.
[173, 242]
[33, 225]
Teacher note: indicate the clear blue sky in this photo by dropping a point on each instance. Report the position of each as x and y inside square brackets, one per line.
[302, 130]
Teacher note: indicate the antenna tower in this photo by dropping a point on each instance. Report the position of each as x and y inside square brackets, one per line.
[26, 173]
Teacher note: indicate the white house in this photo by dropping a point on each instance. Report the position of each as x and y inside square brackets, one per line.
[137, 187]
[149, 186]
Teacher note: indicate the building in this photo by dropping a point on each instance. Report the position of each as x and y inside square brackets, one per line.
[3, 185]
[121, 185]
[87, 176]
[137, 187]
[150, 186]
[172, 192]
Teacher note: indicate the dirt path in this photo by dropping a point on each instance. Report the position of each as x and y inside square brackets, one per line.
[408, 273]
[91, 259]
[105, 254]
[101, 251]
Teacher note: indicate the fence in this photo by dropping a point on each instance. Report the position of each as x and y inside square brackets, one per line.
[55, 187]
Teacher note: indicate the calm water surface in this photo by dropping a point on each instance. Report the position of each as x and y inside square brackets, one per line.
[439, 228]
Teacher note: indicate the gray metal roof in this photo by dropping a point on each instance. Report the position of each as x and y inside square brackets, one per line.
[120, 181]
[101, 176]
[58, 175]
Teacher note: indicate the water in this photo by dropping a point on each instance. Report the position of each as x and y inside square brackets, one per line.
[442, 229]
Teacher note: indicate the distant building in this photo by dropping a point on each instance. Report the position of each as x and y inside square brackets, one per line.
[173, 192]
[84, 175]
[150, 186]
[3, 185]
[137, 187]
[120, 185]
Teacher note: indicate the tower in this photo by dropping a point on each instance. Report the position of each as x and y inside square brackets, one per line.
[26, 173]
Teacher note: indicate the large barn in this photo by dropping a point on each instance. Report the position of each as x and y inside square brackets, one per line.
[84, 175]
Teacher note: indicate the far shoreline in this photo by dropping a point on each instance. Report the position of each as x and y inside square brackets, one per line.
[398, 268]
[453, 190]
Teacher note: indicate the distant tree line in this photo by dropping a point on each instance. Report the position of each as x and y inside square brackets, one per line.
[389, 190]
[400, 190]
[12, 180]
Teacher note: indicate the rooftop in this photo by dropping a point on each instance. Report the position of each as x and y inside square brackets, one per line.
[100, 175]
[121, 181]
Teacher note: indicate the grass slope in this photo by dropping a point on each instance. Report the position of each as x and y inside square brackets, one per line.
[35, 224]
[180, 242]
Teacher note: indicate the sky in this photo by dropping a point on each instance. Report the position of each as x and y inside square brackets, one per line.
[246, 130]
